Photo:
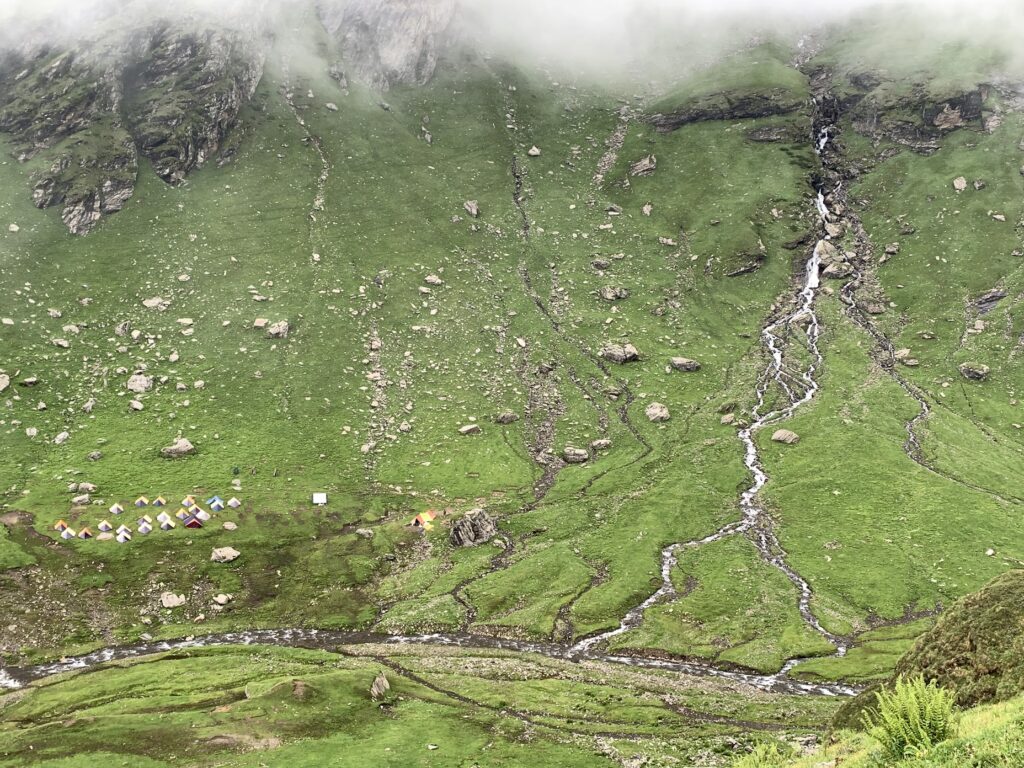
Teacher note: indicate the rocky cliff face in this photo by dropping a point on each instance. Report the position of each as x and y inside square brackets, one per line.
[186, 94]
[389, 42]
[81, 116]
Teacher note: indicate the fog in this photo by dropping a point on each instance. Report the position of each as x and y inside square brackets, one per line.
[587, 35]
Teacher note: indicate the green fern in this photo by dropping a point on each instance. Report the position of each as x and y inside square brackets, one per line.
[764, 756]
[911, 718]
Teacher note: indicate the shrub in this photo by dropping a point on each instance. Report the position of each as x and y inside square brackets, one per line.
[912, 717]
[765, 756]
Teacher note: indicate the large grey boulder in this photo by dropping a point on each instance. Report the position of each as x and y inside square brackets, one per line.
[575, 455]
[224, 554]
[684, 364]
[657, 412]
[180, 447]
[475, 527]
[620, 353]
[785, 436]
[974, 371]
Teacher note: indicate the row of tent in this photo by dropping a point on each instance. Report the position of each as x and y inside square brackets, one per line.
[216, 503]
[190, 515]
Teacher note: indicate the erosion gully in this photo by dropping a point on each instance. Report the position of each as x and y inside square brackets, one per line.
[792, 383]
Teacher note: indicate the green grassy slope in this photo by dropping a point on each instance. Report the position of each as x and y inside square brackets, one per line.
[336, 218]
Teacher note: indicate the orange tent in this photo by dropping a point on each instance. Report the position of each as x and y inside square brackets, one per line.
[424, 520]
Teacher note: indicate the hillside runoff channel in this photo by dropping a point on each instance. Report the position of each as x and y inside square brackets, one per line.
[798, 390]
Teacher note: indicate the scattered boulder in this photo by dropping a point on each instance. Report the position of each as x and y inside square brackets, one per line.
[223, 599]
[647, 209]
[224, 554]
[974, 371]
[279, 330]
[475, 527]
[81, 500]
[380, 687]
[61, 438]
[433, 280]
[533, 151]
[786, 436]
[472, 208]
[613, 293]
[136, 405]
[180, 447]
[620, 353]
[506, 417]
[364, 533]
[684, 364]
[260, 323]
[645, 166]
[229, 526]
[603, 444]
[139, 383]
[575, 455]
[657, 412]
[469, 429]
[5, 381]
[171, 600]
[959, 183]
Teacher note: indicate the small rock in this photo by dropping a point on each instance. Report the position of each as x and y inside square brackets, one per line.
[960, 183]
[136, 405]
[469, 429]
[603, 444]
[223, 599]
[506, 417]
[229, 526]
[61, 438]
[81, 500]
[472, 208]
[366, 533]
[533, 151]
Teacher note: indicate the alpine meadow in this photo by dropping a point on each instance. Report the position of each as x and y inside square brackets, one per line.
[436, 383]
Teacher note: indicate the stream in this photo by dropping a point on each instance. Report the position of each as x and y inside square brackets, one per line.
[797, 389]
[332, 640]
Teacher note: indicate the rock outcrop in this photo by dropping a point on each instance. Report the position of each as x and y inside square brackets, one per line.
[475, 527]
